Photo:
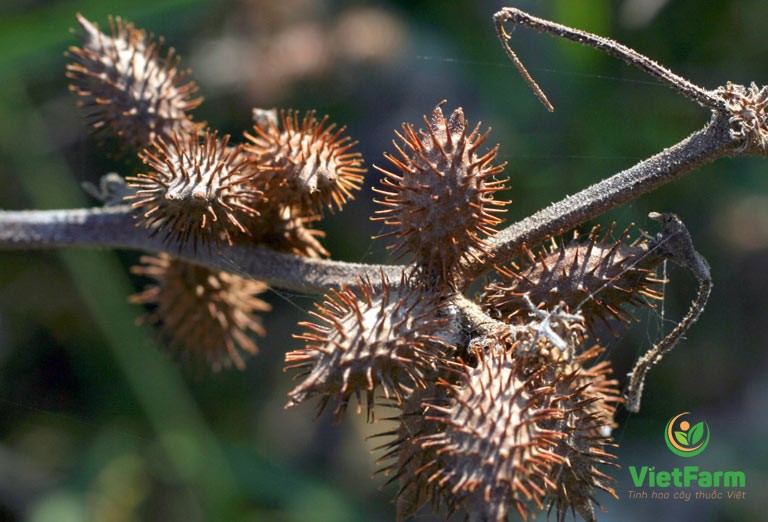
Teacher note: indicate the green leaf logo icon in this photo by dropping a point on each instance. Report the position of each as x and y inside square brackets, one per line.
[685, 440]
[696, 433]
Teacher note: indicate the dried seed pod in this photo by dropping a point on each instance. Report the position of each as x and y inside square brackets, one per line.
[127, 87]
[492, 452]
[293, 234]
[308, 163]
[198, 188]
[404, 455]
[441, 202]
[588, 400]
[282, 230]
[380, 336]
[202, 314]
[597, 277]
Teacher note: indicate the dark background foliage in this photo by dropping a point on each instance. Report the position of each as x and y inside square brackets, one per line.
[96, 424]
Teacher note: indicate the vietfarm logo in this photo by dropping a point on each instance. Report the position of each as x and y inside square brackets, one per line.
[686, 437]
[685, 440]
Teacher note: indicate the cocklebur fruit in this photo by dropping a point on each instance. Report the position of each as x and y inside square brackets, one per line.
[286, 233]
[599, 278]
[522, 426]
[381, 336]
[128, 87]
[197, 188]
[202, 314]
[441, 201]
[305, 162]
[492, 453]
[404, 455]
[587, 398]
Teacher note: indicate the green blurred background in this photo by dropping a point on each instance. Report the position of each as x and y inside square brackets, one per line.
[96, 423]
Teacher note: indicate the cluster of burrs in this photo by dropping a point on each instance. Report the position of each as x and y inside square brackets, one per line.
[502, 405]
[200, 188]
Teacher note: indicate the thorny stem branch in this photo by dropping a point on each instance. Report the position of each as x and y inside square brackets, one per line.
[704, 146]
[477, 320]
[678, 247]
[606, 45]
[113, 227]
[634, 391]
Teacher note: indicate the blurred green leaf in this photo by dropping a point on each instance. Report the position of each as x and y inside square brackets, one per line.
[682, 437]
[38, 36]
[696, 433]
